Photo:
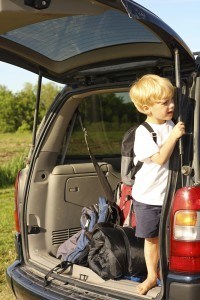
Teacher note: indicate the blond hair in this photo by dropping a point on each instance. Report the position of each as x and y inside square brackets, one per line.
[149, 89]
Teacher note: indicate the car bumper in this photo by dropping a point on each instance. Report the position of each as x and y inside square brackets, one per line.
[27, 285]
[183, 287]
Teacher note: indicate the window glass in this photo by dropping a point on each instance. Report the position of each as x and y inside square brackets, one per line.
[106, 118]
[66, 37]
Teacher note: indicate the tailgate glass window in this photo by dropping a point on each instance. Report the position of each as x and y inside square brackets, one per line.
[63, 38]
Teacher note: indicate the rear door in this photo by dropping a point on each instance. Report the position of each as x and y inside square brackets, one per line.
[57, 39]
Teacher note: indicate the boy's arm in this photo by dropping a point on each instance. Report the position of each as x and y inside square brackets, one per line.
[166, 150]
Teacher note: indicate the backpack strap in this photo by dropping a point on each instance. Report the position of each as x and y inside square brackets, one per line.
[150, 129]
[154, 136]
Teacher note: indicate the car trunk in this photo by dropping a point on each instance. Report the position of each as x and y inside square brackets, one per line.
[57, 194]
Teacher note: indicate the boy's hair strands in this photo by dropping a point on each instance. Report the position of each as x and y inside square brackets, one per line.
[149, 89]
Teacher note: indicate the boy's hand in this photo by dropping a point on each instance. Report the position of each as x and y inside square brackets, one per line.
[167, 148]
[178, 130]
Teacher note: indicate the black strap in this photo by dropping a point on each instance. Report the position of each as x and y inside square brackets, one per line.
[150, 129]
[154, 136]
[62, 266]
[102, 178]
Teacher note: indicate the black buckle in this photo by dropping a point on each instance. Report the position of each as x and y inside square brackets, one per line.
[154, 136]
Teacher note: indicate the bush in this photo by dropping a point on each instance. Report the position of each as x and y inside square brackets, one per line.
[8, 171]
[24, 127]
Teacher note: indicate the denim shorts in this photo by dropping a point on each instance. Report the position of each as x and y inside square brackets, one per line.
[147, 219]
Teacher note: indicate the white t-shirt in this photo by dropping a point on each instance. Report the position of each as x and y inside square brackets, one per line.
[151, 180]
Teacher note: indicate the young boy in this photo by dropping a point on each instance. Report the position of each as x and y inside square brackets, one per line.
[153, 96]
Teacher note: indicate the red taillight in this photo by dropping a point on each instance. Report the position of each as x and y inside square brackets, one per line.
[16, 211]
[185, 231]
[185, 264]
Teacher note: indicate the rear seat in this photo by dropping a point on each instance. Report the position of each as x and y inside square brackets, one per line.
[71, 187]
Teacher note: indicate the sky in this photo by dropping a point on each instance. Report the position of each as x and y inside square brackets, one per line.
[181, 15]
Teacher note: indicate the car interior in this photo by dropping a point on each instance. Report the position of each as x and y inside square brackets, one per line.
[64, 178]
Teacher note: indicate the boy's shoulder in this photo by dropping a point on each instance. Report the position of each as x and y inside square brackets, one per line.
[145, 127]
[152, 127]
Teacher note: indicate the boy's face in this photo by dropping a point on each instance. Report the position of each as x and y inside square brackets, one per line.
[161, 111]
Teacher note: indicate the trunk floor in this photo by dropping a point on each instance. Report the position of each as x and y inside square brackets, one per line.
[76, 272]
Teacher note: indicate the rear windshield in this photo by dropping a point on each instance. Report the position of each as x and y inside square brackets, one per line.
[62, 38]
[106, 117]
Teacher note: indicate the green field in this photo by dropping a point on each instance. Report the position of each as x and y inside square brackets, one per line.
[13, 148]
[7, 249]
[13, 144]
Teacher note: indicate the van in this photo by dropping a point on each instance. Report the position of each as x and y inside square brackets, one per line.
[97, 48]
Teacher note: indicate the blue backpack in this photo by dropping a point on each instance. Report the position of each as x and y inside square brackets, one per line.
[75, 250]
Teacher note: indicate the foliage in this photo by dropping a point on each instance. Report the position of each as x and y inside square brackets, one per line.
[7, 248]
[6, 110]
[106, 118]
[48, 94]
[8, 172]
[110, 108]
[14, 148]
[17, 109]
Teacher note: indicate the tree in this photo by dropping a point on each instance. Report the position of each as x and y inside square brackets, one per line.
[17, 110]
[48, 93]
[7, 124]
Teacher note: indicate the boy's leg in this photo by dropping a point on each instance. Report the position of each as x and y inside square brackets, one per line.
[151, 253]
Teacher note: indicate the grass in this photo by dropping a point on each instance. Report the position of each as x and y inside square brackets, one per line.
[13, 152]
[13, 149]
[13, 144]
[7, 249]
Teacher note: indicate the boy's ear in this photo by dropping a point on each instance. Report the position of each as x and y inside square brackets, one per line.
[146, 109]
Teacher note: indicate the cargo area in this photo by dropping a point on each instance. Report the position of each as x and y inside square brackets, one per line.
[73, 186]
